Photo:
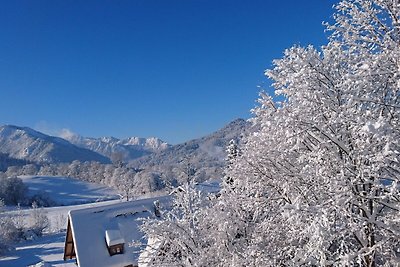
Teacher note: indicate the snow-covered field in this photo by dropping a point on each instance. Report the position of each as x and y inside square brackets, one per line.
[48, 250]
[50, 247]
[68, 191]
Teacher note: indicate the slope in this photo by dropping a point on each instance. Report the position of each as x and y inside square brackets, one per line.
[205, 155]
[127, 149]
[28, 144]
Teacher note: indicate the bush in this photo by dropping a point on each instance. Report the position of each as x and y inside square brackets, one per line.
[40, 221]
[13, 228]
[8, 230]
[42, 199]
[13, 191]
[9, 233]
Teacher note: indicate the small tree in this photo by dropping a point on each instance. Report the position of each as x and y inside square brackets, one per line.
[13, 190]
[8, 234]
[39, 220]
[8, 231]
[127, 183]
[117, 159]
[181, 231]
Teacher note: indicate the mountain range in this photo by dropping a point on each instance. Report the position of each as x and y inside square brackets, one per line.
[205, 155]
[129, 148]
[28, 144]
[210, 148]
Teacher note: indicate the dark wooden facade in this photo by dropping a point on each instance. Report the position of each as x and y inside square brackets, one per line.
[69, 248]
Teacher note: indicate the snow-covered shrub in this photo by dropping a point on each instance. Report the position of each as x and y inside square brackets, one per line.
[58, 223]
[39, 220]
[13, 191]
[14, 227]
[8, 233]
[42, 199]
[147, 181]
[179, 234]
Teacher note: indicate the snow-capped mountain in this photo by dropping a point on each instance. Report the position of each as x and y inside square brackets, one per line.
[28, 144]
[130, 148]
[206, 155]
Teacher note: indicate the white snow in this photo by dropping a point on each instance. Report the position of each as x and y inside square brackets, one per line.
[89, 228]
[114, 237]
[50, 247]
[69, 191]
[46, 251]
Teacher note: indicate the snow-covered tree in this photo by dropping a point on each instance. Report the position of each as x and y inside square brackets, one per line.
[127, 182]
[13, 191]
[8, 233]
[30, 169]
[179, 235]
[9, 229]
[39, 220]
[232, 151]
[146, 182]
[319, 182]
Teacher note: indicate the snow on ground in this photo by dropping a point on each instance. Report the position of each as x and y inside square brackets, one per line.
[57, 215]
[68, 191]
[49, 249]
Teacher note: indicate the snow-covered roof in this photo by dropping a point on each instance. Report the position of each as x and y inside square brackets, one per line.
[91, 228]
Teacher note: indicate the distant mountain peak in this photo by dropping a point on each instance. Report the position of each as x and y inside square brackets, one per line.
[25, 130]
[237, 123]
[131, 147]
[28, 144]
[206, 154]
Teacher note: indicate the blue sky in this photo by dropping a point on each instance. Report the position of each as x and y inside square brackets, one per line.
[176, 69]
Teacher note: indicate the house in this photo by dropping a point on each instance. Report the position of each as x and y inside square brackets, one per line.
[108, 235]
